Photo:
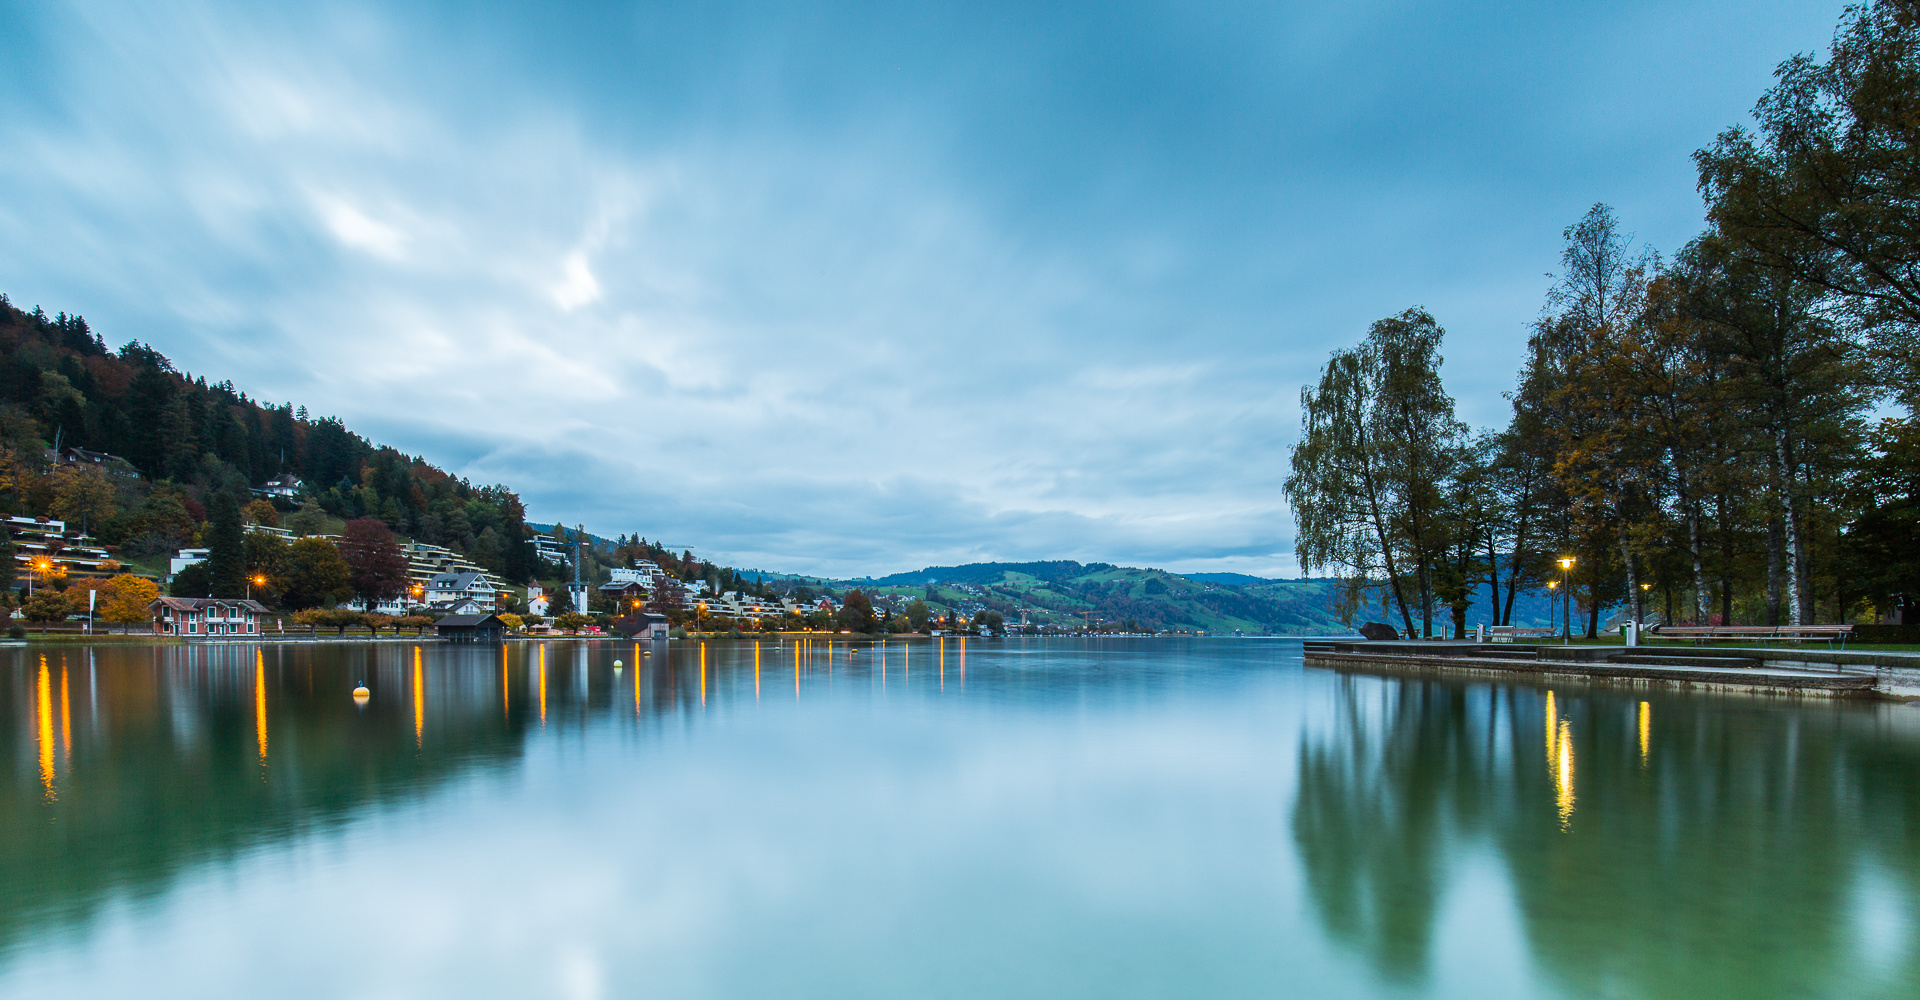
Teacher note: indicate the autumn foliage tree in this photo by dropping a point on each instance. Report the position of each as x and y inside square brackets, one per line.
[377, 567]
[313, 573]
[126, 599]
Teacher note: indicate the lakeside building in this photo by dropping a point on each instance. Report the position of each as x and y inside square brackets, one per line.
[624, 595]
[644, 625]
[558, 553]
[206, 617]
[182, 559]
[427, 563]
[466, 627]
[644, 581]
[43, 548]
[444, 590]
[734, 604]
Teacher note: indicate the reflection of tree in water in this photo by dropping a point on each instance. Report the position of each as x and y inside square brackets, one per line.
[1371, 808]
[129, 766]
[1723, 862]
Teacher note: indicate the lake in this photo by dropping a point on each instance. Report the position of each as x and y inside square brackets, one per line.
[982, 818]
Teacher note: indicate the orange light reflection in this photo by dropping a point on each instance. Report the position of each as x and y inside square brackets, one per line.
[44, 702]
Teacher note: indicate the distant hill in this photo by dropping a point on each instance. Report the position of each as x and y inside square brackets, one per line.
[1064, 593]
[980, 573]
[1237, 579]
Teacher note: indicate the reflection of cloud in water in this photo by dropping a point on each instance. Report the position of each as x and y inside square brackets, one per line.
[1884, 926]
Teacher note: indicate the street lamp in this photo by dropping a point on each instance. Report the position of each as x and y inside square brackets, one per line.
[1553, 586]
[256, 580]
[1566, 577]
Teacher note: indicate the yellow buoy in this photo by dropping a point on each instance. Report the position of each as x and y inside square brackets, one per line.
[361, 694]
[617, 665]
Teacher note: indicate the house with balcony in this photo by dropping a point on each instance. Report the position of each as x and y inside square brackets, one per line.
[44, 550]
[426, 562]
[447, 589]
[207, 617]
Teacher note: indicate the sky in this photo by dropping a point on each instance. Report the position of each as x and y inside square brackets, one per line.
[844, 288]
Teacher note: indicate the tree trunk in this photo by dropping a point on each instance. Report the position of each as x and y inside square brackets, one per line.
[1789, 523]
[1426, 596]
[1493, 574]
[1726, 560]
[1699, 568]
[1773, 571]
[1633, 577]
[1386, 556]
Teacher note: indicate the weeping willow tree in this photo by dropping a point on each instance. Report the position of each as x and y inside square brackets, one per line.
[1369, 473]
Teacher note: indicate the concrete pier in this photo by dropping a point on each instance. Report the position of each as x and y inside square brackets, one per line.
[1792, 672]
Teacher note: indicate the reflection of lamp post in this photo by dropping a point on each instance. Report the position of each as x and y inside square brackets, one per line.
[1566, 578]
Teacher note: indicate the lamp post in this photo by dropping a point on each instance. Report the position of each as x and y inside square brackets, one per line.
[1566, 597]
[256, 580]
[1553, 587]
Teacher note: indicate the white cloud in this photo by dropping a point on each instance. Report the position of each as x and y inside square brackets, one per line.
[577, 286]
[814, 328]
[353, 228]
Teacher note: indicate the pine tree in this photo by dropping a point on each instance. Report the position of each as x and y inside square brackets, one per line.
[226, 547]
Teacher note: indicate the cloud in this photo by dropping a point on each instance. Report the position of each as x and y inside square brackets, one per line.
[825, 292]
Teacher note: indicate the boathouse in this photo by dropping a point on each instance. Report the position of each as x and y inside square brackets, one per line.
[643, 625]
[471, 628]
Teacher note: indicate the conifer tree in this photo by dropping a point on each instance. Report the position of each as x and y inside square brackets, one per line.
[226, 547]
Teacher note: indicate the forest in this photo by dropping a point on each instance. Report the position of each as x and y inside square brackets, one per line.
[191, 441]
[1725, 436]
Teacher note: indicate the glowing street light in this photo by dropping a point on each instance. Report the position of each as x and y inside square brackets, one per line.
[1566, 596]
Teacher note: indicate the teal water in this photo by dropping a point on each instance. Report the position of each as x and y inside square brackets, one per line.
[1151, 818]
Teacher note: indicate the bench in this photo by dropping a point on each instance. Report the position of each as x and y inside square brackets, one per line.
[1508, 633]
[1756, 633]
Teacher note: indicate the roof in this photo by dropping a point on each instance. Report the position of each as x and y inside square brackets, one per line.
[202, 603]
[459, 579]
[623, 585]
[468, 621]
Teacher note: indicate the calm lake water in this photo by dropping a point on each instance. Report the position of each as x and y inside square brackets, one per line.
[1156, 818]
